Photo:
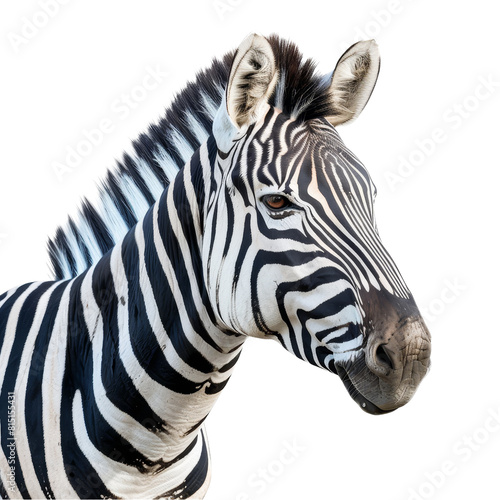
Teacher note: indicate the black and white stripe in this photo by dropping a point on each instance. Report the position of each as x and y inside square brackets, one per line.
[129, 353]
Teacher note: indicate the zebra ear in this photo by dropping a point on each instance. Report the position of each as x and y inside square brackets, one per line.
[251, 81]
[353, 81]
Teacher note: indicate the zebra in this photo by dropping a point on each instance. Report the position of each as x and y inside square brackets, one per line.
[241, 214]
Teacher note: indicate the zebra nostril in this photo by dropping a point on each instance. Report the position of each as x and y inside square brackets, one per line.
[382, 357]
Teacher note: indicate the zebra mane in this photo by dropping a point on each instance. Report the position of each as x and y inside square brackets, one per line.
[138, 180]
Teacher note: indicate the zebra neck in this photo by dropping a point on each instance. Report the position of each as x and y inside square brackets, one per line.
[160, 359]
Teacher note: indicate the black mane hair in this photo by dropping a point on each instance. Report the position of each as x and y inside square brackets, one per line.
[305, 94]
[300, 93]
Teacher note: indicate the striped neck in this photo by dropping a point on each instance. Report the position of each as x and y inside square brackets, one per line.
[156, 358]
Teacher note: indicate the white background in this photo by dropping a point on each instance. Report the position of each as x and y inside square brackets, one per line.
[440, 222]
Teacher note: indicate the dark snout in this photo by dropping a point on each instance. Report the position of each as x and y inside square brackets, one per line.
[397, 359]
[396, 354]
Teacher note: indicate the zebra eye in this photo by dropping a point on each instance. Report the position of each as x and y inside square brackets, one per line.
[276, 201]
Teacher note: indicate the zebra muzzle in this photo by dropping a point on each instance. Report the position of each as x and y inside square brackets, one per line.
[389, 369]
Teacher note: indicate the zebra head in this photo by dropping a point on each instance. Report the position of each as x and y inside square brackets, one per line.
[291, 248]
